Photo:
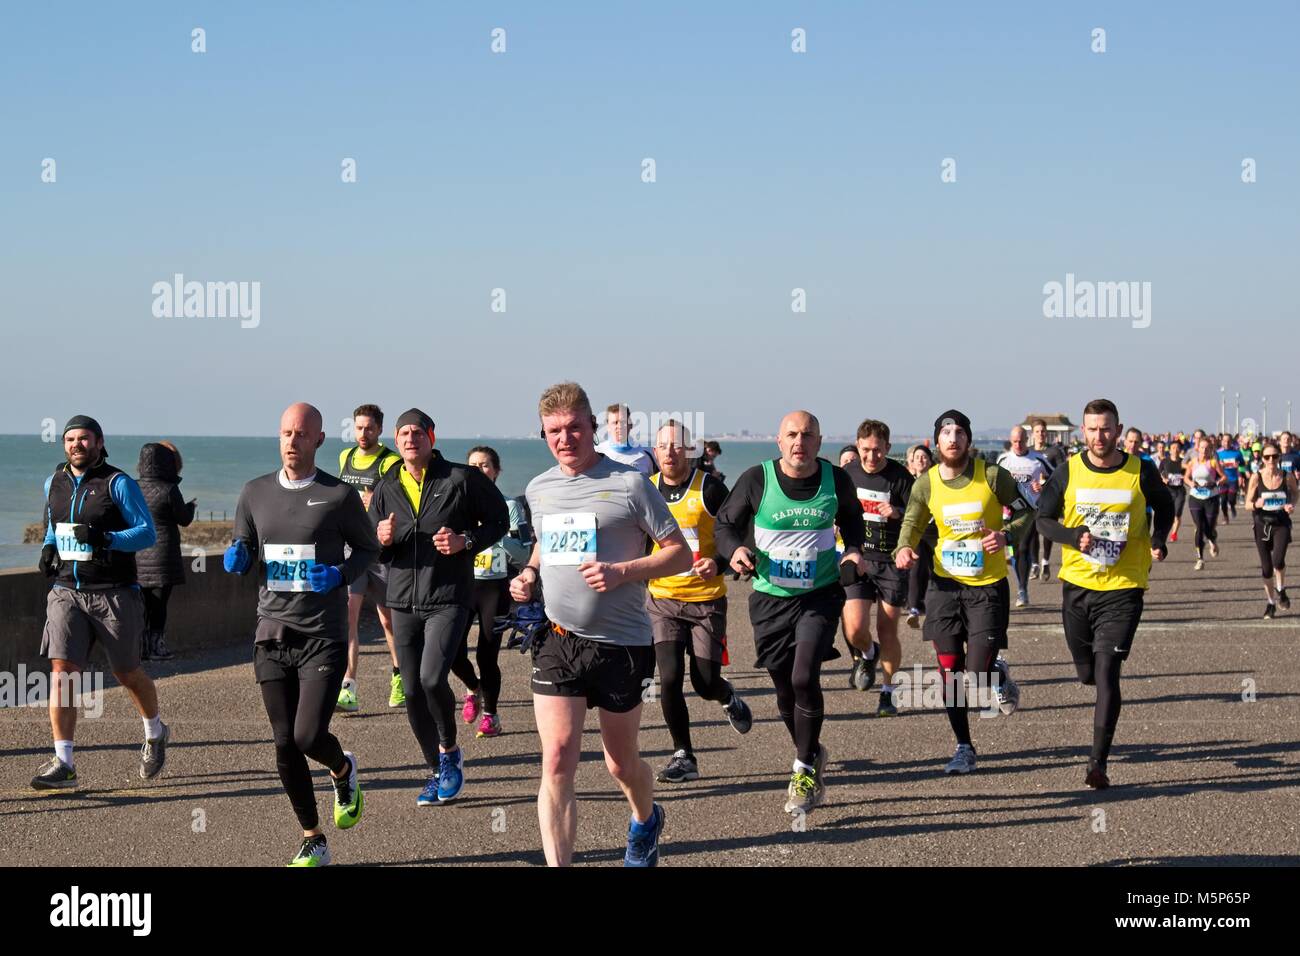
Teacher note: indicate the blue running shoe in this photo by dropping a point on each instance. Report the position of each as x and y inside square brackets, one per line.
[429, 795]
[451, 775]
[643, 845]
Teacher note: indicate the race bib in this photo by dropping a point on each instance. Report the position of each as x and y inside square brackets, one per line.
[568, 538]
[1109, 530]
[793, 568]
[962, 559]
[1272, 500]
[1287, 464]
[1175, 480]
[1202, 492]
[287, 566]
[872, 502]
[692, 536]
[70, 549]
[490, 563]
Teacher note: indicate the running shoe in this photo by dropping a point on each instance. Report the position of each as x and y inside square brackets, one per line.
[451, 775]
[864, 670]
[1283, 601]
[347, 702]
[1045, 574]
[807, 789]
[1033, 572]
[886, 708]
[1096, 779]
[1214, 549]
[1269, 611]
[429, 795]
[913, 617]
[396, 692]
[54, 774]
[1199, 565]
[1008, 690]
[313, 852]
[963, 761]
[153, 754]
[643, 842]
[1022, 598]
[489, 725]
[158, 650]
[738, 714]
[855, 670]
[347, 796]
[680, 768]
[469, 713]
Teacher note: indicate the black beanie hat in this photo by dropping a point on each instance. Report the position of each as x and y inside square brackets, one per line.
[88, 423]
[413, 416]
[952, 417]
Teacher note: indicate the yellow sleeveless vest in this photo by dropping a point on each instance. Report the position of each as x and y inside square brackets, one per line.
[697, 527]
[963, 516]
[1115, 511]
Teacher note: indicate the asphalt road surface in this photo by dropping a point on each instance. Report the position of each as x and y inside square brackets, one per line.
[1205, 769]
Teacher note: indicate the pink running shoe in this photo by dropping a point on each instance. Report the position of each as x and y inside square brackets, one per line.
[469, 713]
[489, 726]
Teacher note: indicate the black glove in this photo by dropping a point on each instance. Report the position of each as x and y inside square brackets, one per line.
[85, 534]
[50, 561]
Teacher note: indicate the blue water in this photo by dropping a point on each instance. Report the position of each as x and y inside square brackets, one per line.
[216, 469]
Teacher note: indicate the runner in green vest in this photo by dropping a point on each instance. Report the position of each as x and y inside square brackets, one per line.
[793, 504]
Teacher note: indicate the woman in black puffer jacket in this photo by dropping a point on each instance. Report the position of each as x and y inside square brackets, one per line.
[160, 568]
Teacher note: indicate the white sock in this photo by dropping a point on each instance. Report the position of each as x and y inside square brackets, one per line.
[800, 765]
[63, 750]
[153, 726]
[886, 688]
[350, 684]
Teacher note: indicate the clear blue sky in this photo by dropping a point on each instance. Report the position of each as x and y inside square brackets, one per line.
[522, 171]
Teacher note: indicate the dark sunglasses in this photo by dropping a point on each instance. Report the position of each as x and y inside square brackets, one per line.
[1269, 457]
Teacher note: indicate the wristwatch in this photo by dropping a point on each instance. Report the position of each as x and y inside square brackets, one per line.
[469, 542]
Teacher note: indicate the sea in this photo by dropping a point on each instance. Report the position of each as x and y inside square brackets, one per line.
[215, 470]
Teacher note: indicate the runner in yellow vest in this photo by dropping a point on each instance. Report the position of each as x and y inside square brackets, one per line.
[361, 466]
[688, 611]
[1096, 509]
[968, 603]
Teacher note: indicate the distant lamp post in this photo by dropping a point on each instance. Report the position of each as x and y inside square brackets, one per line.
[1223, 409]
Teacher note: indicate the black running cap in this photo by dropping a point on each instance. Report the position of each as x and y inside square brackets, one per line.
[413, 416]
[951, 417]
[86, 422]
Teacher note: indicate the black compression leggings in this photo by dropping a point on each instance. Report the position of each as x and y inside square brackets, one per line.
[977, 660]
[706, 678]
[155, 607]
[426, 643]
[1103, 671]
[487, 603]
[300, 714]
[1271, 541]
[918, 577]
[1205, 514]
[799, 698]
[462, 668]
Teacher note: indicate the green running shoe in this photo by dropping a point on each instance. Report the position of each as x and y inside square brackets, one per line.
[396, 693]
[347, 701]
[313, 852]
[347, 797]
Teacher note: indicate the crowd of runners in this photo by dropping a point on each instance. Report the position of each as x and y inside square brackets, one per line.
[616, 564]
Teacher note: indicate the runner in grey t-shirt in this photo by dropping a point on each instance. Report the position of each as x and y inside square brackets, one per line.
[594, 520]
[626, 509]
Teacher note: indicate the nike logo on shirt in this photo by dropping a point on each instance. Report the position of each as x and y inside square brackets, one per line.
[310, 502]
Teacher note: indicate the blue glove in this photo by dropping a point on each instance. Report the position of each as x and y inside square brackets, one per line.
[324, 577]
[237, 560]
